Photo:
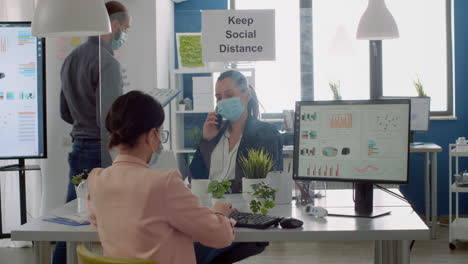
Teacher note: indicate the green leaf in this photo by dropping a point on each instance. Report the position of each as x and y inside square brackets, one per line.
[269, 204]
[264, 198]
[218, 189]
[256, 164]
[77, 179]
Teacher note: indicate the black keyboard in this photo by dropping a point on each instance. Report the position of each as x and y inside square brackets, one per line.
[256, 221]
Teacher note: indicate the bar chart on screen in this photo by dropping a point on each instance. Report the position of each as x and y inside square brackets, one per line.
[3, 44]
[25, 38]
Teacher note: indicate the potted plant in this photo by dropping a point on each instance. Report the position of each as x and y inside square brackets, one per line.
[335, 88]
[217, 189]
[181, 105]
[419, 87]
[255, 166]
[195, 135]
[81, 189]
[264, 198]
[79, 178]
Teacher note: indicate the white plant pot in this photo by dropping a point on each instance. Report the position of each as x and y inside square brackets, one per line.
[199, 188]
[283, 182]
[247, 188]
[81, 196]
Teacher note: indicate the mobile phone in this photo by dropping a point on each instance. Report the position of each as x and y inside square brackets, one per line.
[219, 120]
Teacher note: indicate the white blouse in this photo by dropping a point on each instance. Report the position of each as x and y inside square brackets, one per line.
[223, 161]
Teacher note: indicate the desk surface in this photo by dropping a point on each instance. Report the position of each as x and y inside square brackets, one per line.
[426, 147]
[402, 224]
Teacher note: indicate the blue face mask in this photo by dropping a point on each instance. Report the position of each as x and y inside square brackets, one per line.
[231, 108]
[118, 43]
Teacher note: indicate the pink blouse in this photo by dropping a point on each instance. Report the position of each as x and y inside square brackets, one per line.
[148, 214]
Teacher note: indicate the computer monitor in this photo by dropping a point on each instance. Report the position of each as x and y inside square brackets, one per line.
[364, 142]
[22, 93]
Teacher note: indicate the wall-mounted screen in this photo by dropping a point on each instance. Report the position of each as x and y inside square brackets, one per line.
[22, 92]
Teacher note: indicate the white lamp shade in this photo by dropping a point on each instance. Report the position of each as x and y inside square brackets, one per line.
[70, 18]
[377, 23]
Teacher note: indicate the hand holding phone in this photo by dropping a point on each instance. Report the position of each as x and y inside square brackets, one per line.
[211, 126]
[219, 121]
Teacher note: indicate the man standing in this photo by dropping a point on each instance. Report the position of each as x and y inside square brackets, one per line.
[91, 80]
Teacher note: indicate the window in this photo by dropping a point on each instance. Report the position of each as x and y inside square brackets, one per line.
[338, 55]
[420, 52]
[424, 51]
[278, 82]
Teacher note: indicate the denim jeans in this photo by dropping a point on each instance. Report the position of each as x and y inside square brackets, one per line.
[85, 155]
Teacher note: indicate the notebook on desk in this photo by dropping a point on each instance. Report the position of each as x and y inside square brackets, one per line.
[73, 219]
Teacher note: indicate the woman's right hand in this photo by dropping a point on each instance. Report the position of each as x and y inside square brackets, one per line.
[223, 208]
[210, 129]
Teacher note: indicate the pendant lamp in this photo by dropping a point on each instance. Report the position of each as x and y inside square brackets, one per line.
[377, 23]
[70, 18]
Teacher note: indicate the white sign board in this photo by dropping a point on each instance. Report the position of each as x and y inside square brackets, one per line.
[238, 35]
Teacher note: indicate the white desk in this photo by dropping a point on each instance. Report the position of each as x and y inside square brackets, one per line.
[430, 151]
[391, 233]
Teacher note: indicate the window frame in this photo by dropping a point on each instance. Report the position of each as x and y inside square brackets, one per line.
[376, 61]
[376, 65]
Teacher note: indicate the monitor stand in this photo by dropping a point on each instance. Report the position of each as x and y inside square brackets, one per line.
[363, 204]
[21, 168]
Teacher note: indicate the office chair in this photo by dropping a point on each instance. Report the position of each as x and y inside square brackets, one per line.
[87, 257]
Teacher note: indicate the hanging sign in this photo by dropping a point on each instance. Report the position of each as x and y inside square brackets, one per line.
[238, 35]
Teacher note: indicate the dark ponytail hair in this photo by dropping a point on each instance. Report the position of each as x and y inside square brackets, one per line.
[132, 115]
[241, 82]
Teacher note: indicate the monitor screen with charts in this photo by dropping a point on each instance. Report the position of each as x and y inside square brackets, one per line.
[22, 92]
[358, 141]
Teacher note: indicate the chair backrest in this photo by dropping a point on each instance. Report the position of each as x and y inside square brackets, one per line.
[87, 257]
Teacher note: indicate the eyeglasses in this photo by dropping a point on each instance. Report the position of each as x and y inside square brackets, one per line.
[164, 136]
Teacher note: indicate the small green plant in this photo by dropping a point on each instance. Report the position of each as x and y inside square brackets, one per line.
[77, 179]
[419, 87]
[335, 88]
[181, 101]
[219, 188]
[256, 164]
[264, 198]
[195, 135]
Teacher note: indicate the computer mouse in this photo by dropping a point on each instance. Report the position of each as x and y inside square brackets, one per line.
[291, 223]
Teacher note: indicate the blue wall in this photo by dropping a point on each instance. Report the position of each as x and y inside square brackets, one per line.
[445, 132]
[187, 15]
[188, 19]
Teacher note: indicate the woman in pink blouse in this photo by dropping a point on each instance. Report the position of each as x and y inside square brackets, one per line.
[143, 213]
